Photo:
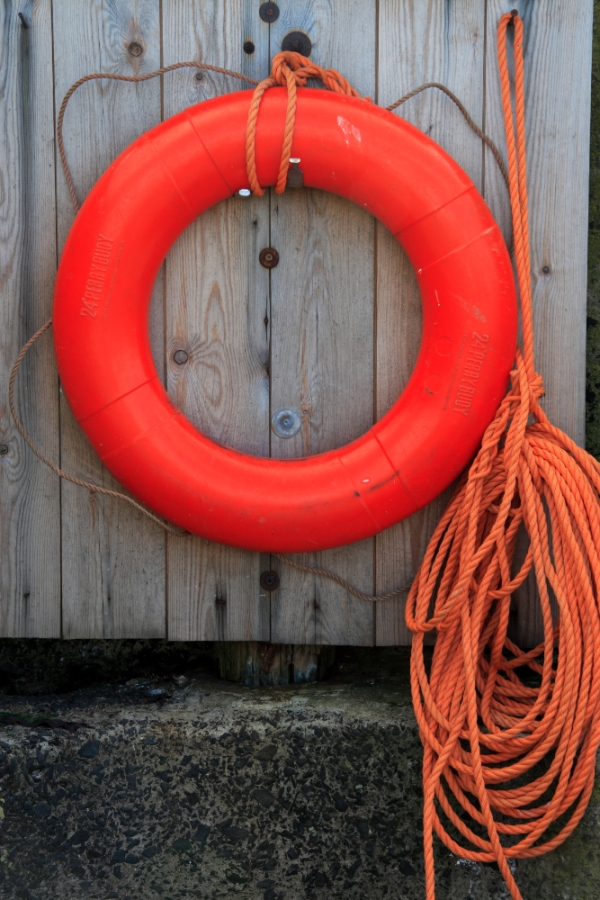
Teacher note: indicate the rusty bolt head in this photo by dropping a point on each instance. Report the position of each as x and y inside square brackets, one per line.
[135, 48]
[269, 12]
[269, 257]
[249, 47]
[298, 42]
[269, 581]
[180, 357]
[3, 449]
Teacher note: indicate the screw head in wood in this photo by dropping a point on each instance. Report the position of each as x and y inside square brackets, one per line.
[298, 42]
[249, 47]
[269, 581]
[135, 48]
[269, 12]
[3, 449]
[269, 257]
[286, 423]
[180, 357]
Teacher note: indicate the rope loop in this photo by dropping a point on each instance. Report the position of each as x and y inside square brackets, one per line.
[290, 70]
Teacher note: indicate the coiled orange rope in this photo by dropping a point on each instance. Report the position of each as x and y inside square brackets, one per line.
[517, 758]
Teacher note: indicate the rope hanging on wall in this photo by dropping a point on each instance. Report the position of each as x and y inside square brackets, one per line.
[515, 752]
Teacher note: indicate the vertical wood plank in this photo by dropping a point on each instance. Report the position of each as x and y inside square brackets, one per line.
[558, 55]
[419, 42]
[218, 311]
[322, 333]
[113, 557]
[29, 493]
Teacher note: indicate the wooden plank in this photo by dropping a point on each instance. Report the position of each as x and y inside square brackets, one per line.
[418, 42]
[558, 51]
[322, 334]
[29, 492]
[113, 558]
[218, 312]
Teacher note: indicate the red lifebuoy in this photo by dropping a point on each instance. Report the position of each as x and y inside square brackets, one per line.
[153, 191]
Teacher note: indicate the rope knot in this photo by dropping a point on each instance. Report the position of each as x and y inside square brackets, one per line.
[536, 387]
[524, 384]
[302, 69]
[290, 70]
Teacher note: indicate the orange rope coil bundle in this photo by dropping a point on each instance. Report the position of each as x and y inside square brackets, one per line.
[482, 726]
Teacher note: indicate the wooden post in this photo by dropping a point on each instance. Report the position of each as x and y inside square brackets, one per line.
[254, 663]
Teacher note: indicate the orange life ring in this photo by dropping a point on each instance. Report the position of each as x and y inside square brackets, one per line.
[125, 228]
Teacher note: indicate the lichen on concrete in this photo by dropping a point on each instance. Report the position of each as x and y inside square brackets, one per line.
[215, 789]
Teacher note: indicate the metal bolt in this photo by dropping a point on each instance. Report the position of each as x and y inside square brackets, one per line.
[269, 581]
[269, 257]
[199, 76]
[546, 270]
[249, 47]
[135, 49]
[180, 357]
[286, 423]
[298, 42]
[3, 449]
[269, 12]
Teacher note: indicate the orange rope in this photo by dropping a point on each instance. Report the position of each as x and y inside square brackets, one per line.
[289, 70]
[518, 756]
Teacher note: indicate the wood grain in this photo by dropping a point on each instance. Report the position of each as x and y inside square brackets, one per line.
[450, 42]
[30, 581]
[218, 311]
[558, 55]
[113, 557]
[333, 331]
[322, 334]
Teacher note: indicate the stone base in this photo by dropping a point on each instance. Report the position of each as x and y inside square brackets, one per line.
[279, 793]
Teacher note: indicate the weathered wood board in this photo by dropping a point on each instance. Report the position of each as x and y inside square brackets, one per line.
[333, 331]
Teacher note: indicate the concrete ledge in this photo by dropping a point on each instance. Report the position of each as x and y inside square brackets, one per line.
[294, 792]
